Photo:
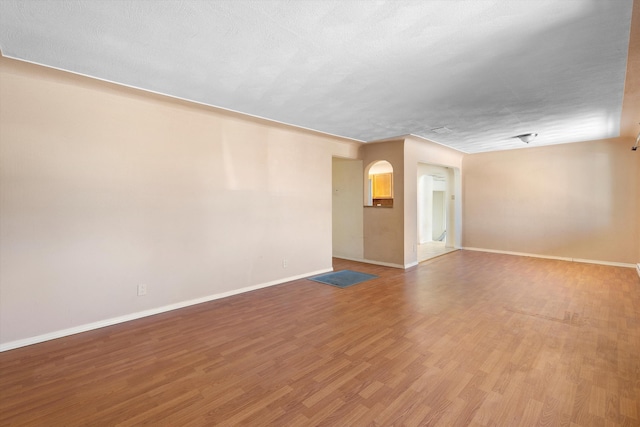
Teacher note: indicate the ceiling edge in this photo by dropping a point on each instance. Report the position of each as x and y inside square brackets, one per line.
[438, 143]
[189, 101]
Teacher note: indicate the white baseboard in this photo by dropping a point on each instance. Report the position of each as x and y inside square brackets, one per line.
[638, 269]
[587, 261]
[128, 317]
[611, 263]
[384, 264]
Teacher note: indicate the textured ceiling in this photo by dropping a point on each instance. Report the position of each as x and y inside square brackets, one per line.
[483, 70]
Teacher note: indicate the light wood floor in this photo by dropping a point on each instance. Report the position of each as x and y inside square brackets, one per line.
[430, 250]
[468, 338]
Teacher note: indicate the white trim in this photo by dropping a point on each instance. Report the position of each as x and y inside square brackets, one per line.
[127, 317]
[638, 269]
[611, 263]
[368, 261]
[494, 251]
[586, 261]
[179, 98]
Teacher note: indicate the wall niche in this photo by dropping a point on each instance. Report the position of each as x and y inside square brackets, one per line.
[379, 184]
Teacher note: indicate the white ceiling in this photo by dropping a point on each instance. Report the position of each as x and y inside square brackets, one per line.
[487, 70]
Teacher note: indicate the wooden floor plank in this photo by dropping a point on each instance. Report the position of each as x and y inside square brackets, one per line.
[467, 338]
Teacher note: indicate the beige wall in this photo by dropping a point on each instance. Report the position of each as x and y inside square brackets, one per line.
[390, 235]
[383, 236]
[629, 126]
[575, 201]
[630, 118]
[104, 188]
[347, 227]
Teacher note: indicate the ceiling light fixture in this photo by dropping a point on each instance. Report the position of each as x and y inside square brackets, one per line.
[526, 137]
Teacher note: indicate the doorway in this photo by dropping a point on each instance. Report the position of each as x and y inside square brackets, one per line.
[435, 211]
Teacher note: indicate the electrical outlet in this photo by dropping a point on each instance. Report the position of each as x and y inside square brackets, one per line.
[142, 290]
[285, 262]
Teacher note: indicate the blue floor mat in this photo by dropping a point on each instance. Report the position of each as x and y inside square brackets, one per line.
[343, 278]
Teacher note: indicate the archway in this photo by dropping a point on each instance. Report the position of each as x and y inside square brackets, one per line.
[378, 184]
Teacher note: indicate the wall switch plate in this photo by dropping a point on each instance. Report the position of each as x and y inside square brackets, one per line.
[142, 290]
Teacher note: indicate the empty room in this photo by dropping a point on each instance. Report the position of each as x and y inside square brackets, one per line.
[320, 212]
